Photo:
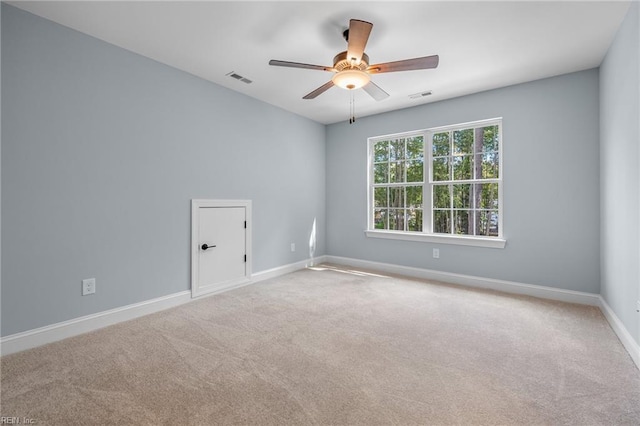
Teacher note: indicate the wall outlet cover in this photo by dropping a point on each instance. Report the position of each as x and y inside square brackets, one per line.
[88, 286]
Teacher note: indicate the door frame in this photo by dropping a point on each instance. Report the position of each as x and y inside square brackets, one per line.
[196, 205]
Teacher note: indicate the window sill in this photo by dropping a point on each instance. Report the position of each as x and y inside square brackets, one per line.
[440, 239]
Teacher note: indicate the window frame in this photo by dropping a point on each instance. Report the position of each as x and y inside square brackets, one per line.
[389, 184]
[427, 235]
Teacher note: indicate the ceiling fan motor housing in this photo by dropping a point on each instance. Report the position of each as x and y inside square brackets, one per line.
[342, 62]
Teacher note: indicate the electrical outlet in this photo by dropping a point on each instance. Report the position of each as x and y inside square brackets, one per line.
[88, 286]
[293, 247]
[436, 253]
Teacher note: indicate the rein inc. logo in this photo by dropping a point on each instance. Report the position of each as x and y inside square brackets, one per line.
[6, 420]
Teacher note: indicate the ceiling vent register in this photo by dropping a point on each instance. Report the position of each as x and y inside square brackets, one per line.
[420, 95]
[232, 74]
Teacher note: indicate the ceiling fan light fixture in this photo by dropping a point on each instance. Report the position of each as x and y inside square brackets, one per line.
[351, 79]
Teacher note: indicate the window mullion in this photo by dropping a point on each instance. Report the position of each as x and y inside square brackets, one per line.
[486, 180]
[450, 167]
[474, 187]
[427, 188]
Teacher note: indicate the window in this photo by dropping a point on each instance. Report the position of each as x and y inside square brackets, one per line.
[441, 184]
[398, 182]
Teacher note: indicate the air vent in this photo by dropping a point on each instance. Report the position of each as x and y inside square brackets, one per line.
[420, 95]
[233, 74]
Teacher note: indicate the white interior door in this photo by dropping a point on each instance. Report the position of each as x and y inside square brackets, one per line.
[221, 244]
[220, 258]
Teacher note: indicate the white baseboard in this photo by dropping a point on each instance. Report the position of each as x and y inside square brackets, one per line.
[543, 292]
[231, 285]
[54, 332]
[286, 269]
[621, 331]
[62, 330]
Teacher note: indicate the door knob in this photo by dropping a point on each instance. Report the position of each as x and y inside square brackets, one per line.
[206, 246]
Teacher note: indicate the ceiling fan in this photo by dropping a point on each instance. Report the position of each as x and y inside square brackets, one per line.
[351, 67]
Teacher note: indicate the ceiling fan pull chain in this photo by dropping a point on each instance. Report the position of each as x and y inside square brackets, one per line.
[354, 105]
[352, 111]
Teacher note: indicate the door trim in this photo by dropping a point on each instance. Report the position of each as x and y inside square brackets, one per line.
[196, 204]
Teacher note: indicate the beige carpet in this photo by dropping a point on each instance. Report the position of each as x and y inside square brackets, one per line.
[328, 346]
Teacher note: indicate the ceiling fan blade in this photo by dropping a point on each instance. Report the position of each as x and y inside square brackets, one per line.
[423, 63]
[375, 91]
[358, 35]
[320, 90]
[277, 63]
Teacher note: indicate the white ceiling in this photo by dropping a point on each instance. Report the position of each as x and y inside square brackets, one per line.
[482, 44]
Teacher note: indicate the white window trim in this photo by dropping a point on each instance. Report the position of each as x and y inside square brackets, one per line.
[427, 235]
[492, 242]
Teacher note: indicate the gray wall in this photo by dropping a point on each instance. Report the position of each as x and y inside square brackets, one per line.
[619, 176]
[551, 202]
[103, 150]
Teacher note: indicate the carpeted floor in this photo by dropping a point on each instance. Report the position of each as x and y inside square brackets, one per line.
[331, 346]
